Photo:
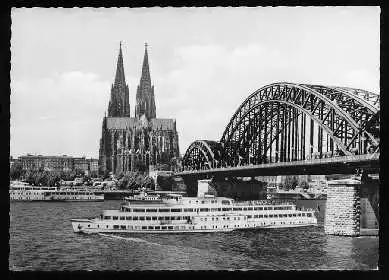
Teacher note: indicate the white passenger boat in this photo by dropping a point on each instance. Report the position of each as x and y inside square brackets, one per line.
[21, 191]
[177, 214]
[74, 195]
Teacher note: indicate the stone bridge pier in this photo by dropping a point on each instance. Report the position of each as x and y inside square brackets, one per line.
[352, 207]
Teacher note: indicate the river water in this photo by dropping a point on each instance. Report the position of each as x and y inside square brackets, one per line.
[41, 238]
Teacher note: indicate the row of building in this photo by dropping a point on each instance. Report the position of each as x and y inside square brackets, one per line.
[56, 163]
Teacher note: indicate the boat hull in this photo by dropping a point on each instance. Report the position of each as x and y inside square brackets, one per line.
[81, 226]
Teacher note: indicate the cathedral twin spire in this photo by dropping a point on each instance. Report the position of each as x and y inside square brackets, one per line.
[145, 103]
[119, 78]
[119, 104]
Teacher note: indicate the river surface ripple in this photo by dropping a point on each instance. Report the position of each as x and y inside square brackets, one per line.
[41, 238]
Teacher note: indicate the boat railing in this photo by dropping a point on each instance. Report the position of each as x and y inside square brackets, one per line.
[166, 222]
[265, 202]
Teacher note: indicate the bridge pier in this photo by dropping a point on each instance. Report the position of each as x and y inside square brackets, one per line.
[351, 206]
[191, 186]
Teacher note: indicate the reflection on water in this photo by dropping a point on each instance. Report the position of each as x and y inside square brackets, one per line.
[41, 238]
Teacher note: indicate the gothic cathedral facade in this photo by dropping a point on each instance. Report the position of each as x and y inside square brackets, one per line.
[136, 143]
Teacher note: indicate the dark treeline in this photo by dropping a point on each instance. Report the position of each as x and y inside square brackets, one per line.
[132, 180]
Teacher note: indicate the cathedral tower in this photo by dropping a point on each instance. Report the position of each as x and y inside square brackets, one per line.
[145, 103]
[119, 104]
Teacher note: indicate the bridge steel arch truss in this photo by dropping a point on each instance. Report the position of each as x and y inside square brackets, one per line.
[287, 122]
[202, 154]
[284, 122]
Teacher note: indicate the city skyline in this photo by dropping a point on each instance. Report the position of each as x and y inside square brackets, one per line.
[63, 64]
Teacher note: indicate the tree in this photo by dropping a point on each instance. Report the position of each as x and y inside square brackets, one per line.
[16, 171]
[148, 183]
[304, 185]
[291, 182]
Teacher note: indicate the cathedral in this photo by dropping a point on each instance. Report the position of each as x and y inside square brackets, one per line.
[138, 143]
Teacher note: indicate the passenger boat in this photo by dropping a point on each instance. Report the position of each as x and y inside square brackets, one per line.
[177, 214]
[74, 195]
[21, 191]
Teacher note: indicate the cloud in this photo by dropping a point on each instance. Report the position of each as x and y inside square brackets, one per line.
[60, 114]
[209, 82]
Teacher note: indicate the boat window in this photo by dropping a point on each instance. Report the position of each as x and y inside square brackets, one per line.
[260, 216]
[115, 217]
[250, 208]
[107, 217]
[244, 208]
[148, 218]
[135, 218]
[157, 227]
[160, 218]
[214, 209]
[299, 214]
[115, 226]
[237, 209]
[123, 227]
[138, 210]
[294, 215]
[303, 214]
[129, 218]
[122, 218]
[270, 215]
[226, 209]
[289, 215]
[163, 227]
[176, 210]
[309, 214]
[141, 218]
[219, 209]
[275, 216]
[144, 227]
[226, 202]
[188, 210]
[249, 216]
[204, 210]
[269, 208]
[173, 218]
[202, 201]
[164, 210]
[151, 210]
[170, 227]
[154, 218]
[150, 227]
[265, 216]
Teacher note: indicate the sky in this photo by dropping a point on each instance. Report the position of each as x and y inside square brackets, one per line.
[204, 62]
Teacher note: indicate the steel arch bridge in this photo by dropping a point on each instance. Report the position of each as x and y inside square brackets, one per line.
[284, 122]
[202, 154]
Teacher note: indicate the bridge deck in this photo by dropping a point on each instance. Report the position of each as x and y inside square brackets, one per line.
[335, 165]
